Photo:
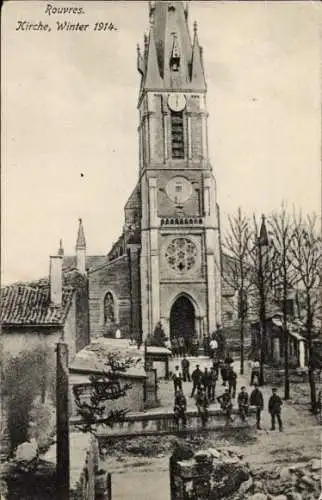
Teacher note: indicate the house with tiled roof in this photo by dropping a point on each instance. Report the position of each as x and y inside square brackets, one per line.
[41, 313]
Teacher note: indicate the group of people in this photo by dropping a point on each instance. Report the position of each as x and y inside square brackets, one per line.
[180, 346]
[204, 389]
[189, 345]
[208, 378]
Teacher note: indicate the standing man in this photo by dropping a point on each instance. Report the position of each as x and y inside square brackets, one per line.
[232, 382]
[206, 346]
[181, 346]
[213, 348]
[219, 336]
[213, 379]
[195, 346]
[243, 403]
[177, 380]
[255, 367]
[206, 382]
[202, 404]
[185, 364]
[196, 379]
[274, 408]
[180, 408]
[256, 399]
[175, 346]
[224, 372]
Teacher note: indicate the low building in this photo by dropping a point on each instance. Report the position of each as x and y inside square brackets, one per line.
[92, 361]
[274, 344]
[41, 313]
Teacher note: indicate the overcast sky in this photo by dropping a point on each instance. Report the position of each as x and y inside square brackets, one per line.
[69, 107]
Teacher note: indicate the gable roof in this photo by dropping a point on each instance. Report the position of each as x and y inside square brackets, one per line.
[26, 304]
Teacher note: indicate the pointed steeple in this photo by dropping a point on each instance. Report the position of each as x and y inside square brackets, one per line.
[152, 73]
[263, 236]
[172, 37]
[198, 80]
[60, 249]
[80, 242]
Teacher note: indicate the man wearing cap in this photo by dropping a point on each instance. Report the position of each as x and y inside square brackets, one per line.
[196, 379]
[257, 400]
[243, 401]
[274, 408]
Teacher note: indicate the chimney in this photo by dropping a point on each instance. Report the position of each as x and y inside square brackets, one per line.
[81, 249]
[56, 277]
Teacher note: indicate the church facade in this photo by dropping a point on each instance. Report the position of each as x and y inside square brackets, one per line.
[166, 265]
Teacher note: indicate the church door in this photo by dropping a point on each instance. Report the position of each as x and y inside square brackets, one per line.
[182, 320]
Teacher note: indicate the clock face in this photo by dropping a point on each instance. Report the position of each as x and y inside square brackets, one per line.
[176, 102]
[179, 189]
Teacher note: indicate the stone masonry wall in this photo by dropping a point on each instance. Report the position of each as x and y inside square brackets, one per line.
[113, 277]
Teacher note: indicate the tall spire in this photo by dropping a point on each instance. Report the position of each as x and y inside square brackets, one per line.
[197, 73]
[170, 59]
[80, 242]
[170, 22]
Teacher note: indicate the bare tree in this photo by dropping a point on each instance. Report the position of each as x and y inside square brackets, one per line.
[306, 259]
[281, 230]
[263, 268]
[237, 274]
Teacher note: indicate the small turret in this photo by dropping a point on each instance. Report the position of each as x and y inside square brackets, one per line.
[198, 80]
[81, 249]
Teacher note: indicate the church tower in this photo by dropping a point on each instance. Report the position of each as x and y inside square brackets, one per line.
[179, 222]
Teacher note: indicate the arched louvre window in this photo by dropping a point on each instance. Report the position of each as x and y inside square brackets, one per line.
[109, 308]
[177, 135]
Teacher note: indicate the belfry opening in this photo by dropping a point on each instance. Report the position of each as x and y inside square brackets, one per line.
[182, 320]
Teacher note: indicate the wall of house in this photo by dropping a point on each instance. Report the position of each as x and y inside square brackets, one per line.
[113, 277]
[18, 340]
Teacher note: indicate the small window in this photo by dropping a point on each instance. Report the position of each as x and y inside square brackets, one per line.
[178, 188]
[177, 135]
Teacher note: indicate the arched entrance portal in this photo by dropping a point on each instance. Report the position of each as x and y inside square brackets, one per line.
[182, 320]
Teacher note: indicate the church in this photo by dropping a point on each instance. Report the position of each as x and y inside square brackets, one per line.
[166, 265]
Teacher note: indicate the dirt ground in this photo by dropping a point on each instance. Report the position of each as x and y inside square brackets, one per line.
[140, 467]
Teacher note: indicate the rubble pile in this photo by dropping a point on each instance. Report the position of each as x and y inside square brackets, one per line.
[214, 474]
[207, 474]
[300, 481]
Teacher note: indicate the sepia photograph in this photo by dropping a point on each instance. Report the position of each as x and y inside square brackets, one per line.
[160, 312]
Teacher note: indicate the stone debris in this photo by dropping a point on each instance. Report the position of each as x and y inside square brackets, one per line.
[296, 482]
[221, 474]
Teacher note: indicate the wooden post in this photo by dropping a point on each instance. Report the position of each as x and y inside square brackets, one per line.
[62, 422]
[109, 486]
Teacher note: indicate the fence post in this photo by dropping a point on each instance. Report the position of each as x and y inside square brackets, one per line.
[62, 422]
[109, 486]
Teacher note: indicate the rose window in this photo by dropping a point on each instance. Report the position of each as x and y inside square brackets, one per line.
[181, 254]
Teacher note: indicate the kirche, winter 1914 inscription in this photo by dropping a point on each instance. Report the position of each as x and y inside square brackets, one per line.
[65, 26]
